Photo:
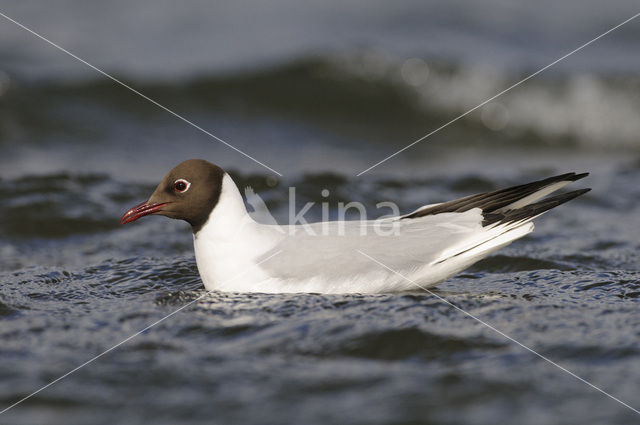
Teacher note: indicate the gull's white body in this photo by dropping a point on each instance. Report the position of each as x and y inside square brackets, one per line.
[235, 253]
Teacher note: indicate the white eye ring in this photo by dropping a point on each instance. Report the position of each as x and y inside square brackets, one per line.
[185, 182]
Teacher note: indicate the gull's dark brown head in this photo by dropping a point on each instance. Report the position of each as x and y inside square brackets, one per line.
[188, 192]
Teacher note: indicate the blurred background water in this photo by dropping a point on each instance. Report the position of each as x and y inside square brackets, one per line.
[318, 91]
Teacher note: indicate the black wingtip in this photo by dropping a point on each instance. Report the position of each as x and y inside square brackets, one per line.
[581, 191]
[490, 202]
[532, 210]
[570, 177]
[577, 177]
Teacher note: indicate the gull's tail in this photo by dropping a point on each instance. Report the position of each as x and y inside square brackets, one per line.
[507, 215]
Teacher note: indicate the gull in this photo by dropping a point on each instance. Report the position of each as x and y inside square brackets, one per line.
[424, 247]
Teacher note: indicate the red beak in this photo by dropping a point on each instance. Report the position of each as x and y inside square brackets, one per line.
[141, 210]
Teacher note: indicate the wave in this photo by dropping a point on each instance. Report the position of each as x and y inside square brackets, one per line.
[361, 94]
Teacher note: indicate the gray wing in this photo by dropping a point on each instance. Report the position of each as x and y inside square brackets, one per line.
[331, 250]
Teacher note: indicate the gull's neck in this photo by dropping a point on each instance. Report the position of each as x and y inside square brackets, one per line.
[229, 215]
[228, 243]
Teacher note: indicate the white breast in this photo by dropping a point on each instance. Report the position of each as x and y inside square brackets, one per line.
[230, 244]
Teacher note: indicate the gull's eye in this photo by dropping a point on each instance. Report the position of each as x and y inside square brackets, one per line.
[181, 185]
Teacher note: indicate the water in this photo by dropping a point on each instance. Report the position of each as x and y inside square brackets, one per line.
[320, 107]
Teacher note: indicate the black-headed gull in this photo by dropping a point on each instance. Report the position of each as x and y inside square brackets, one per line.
[425, 247]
